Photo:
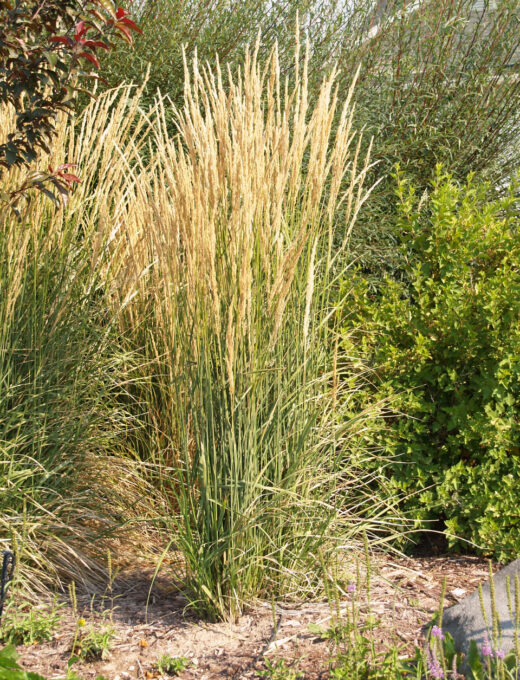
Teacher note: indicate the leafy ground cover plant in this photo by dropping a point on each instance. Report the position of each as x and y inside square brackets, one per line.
[25, 625]
[442, 344]
[92, 643]
[10, 670]
[279, 670]
[172, 665]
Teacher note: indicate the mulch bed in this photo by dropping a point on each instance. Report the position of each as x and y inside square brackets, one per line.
[405, 593]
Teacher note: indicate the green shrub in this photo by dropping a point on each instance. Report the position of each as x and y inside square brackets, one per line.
[437, 85]
[215, 29]
[443, 346]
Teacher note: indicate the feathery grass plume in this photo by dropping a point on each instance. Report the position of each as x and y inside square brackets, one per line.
[233, 221]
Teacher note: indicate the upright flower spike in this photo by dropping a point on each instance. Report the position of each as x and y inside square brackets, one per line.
[434, 667]
[486, 647]
[437, 633]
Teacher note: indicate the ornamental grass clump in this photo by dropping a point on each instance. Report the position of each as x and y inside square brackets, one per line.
[230, 266]
[236, 223]
[208, 263]
[60, 370]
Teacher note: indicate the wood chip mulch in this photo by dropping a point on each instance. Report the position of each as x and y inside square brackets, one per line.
[405, 593]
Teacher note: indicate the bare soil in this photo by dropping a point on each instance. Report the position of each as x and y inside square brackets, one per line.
[153, 620]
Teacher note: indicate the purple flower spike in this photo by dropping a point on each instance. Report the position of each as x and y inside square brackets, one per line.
[500, 654]
[351, 588]
[486, 647]
[434, 667]
[437, 632]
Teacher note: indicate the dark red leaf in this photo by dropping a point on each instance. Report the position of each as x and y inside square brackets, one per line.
[61, 39]
[133, 25]
[69, 179]
[96, 43]
[120, 13]
[90, 57]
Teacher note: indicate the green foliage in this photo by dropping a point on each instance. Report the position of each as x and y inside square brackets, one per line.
[220, 29]
[10, 670]
[437, 82]
[92, 644]
[353, 637]
[40, 75]
[29, 624]
[355, 665]
[443, 345]
[172, 665]
[279, 670]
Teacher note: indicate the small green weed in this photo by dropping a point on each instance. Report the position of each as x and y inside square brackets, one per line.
[358, 664]
[10, 670]
[335, 632]
[278, 670]
[172, 665]
[92, 644]
[27, 625]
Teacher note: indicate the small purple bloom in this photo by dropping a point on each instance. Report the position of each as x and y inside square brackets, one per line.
[351, 588]
[486, 647]
[434, 667]
[500, 654]
[437, 632]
